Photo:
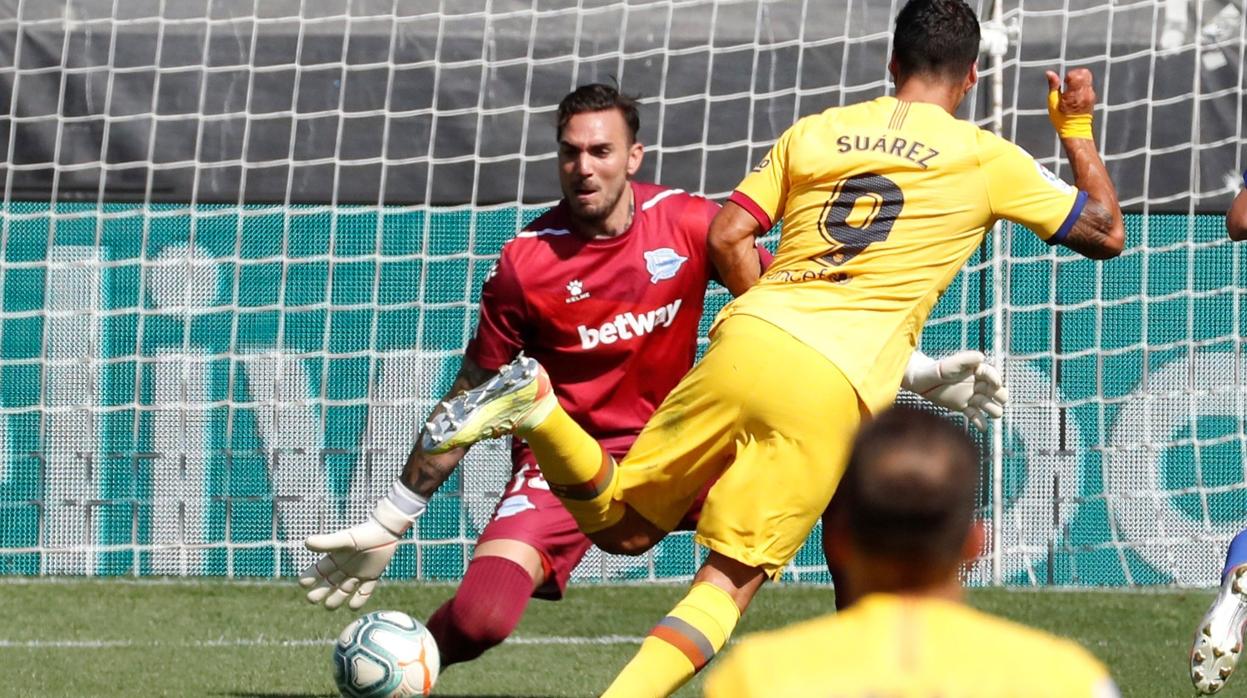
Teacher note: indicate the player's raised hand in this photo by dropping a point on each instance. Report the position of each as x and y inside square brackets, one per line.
[961, 382]
[1070, 109]
[354, 558]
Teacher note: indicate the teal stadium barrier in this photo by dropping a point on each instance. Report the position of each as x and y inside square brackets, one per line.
[193, 392]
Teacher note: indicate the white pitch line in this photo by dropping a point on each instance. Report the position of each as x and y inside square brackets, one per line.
[109, 644]
[192, 582]
[557, 640]
[275, 642]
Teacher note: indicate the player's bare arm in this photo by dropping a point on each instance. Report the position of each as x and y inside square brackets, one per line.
[733, 247]
[424, 472]
[1099, 232]
[1236, 217]
[1092, 235]
[354, 558]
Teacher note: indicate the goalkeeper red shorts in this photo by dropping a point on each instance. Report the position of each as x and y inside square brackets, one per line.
[529, 513]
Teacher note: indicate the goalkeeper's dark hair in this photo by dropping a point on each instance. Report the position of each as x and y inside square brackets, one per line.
[598, 97]
[939, 38]
[909, 491]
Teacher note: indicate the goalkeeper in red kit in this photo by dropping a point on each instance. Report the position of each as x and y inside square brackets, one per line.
[606, 290]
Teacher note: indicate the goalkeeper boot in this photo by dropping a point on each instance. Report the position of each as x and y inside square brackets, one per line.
[515, 400]
[1219, 639]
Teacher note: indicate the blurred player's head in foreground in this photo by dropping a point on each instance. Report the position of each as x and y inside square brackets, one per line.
[935, 50]
[903, 520]
[598, 153]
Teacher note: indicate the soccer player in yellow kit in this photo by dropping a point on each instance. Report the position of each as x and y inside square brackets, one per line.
[902, 527]
[881, 203]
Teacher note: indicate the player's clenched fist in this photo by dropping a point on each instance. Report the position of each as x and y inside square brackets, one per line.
[1070, 110]
[354, 558]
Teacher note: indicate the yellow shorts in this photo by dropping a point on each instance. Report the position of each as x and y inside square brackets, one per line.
[767, 415]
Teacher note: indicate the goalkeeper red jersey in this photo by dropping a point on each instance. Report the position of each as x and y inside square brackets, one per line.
[614, 321]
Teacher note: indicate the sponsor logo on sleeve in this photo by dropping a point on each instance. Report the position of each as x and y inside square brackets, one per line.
[663, 263]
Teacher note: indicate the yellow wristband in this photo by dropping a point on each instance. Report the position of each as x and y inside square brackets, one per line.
[1068, 125]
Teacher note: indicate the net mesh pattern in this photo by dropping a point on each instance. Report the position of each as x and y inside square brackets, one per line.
[242, 244]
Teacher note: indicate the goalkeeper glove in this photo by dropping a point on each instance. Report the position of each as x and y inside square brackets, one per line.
[355, 557]
[961, 382]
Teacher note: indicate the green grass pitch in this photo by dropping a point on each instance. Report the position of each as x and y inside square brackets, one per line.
[259, 639]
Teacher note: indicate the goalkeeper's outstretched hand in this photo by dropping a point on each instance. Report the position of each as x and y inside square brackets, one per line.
[962, 382]
[354, 558]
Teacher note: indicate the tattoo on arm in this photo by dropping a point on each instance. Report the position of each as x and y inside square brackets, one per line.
[1090, 231]
[424, 472]
[470, 375]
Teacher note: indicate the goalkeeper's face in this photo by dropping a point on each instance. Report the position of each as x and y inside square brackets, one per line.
[597, 156]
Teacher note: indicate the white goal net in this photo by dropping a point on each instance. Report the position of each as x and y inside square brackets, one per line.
[242, 242]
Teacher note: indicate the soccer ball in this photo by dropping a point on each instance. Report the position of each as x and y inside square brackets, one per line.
[386, 654]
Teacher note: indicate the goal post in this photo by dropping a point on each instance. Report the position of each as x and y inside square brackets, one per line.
[241, 245]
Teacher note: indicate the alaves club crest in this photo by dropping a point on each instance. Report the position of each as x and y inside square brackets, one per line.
[663, 263]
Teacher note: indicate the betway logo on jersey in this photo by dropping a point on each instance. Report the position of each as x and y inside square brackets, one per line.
[625, 326]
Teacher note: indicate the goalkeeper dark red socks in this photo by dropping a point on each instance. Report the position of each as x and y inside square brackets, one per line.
[484, 610]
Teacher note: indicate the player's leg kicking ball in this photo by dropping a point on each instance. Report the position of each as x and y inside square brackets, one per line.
[519, 396]
[520, 400]
[1219, 637]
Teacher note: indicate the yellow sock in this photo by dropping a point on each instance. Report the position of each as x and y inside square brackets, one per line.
[580, 473]
[679, 646]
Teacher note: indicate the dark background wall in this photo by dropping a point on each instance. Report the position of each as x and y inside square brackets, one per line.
[401, 102]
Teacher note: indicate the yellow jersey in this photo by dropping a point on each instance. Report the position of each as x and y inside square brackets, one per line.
[882, 202]
[888, 646]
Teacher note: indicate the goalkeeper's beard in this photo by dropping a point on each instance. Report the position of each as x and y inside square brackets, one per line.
[595, 214]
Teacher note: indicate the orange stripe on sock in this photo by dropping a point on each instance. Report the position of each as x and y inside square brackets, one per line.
[686, 645]
[585, 491]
